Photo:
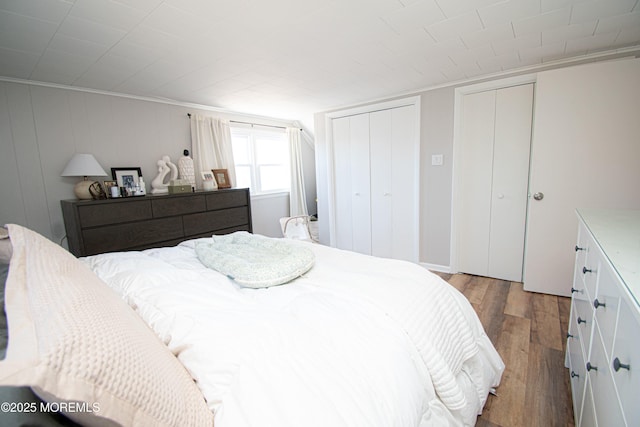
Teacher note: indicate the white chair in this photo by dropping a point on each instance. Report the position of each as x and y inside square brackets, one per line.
[296, 227]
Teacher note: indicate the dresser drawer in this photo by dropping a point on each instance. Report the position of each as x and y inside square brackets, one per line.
[590, 269]
[227, 199]
[212, 221]
[577, 371]
[588, 418]
[626, 349]
[98, 214]
[607, 406]
[606, 304]
[126, 236]
[583, 316]
[582, 248]
[178, 206]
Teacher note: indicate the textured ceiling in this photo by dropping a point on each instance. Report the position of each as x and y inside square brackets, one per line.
[290, 58]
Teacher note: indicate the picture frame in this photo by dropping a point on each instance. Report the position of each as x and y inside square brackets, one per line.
[107, 187]
[207, 176]
[126, 177]
[222, 178]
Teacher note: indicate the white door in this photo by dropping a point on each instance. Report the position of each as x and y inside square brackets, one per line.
[494, 168]
[584, 155]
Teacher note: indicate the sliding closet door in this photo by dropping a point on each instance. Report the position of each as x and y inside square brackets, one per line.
[495, 148]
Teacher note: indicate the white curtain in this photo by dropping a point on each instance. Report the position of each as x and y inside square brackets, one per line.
[211, 144]
[297, 198]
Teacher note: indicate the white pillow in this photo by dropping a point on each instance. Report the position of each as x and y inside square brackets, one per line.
[255, 261]
[72, 339]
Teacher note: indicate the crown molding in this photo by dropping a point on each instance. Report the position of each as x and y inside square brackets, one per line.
[166, 101]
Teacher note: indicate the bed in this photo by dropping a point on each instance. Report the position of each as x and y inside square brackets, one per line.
[351, 341]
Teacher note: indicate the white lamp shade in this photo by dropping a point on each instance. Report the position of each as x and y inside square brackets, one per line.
[83, 165]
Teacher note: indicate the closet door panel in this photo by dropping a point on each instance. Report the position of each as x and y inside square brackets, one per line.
[476, 180]
[343, 192]
[360, 183]
[382, 178]
[512, 144]
[404, 185]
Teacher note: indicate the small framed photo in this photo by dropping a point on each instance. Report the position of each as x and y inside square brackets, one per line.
[222, 178]
[107, 188]
[207, 176]
[126, 177]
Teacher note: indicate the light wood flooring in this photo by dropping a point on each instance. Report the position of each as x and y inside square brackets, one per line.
[529, 331]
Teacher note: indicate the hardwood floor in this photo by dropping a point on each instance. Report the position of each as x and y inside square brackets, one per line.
[528, 330]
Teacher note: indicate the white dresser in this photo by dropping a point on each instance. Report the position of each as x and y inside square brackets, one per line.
[603, 344]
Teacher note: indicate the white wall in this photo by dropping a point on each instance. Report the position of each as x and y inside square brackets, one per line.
[266, 212]
[42, 127]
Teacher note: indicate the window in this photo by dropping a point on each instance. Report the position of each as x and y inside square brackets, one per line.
[262, 159]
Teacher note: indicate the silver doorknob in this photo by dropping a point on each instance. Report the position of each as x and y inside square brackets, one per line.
[538, 196]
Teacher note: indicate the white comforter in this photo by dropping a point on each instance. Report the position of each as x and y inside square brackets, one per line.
[357, 341]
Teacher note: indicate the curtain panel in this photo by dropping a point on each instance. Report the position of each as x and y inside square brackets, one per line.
[211, 145]
[297, 196]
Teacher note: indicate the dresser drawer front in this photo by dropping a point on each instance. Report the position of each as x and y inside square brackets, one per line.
[607, 406]
[577, 371]
[590, 269]
[227, 199]
[178, 206]
[204, 222]
[607, 301]
[104, 214]
[626, 349]
[588, 418]
[582, 248]
[125, 236]
[583, 316]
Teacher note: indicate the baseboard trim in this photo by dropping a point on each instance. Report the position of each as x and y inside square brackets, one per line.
[436, 267]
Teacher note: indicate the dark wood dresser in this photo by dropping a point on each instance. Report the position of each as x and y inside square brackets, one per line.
[134, 223]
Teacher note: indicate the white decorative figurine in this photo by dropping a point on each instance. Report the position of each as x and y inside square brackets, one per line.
[160, 182]
[172, 168]
[186, 169]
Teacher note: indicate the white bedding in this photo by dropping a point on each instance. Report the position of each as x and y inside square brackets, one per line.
[356, 341]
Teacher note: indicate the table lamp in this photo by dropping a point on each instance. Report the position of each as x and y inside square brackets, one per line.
[84, 165]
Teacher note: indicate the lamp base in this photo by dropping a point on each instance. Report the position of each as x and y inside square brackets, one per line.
[81, 190]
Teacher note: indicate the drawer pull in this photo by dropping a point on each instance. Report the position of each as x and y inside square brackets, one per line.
[574, 290]
[590, 367]
[578, 248]
[597, 303]
[569, 335]
[574, 375]
[581, 320]
[617, 365]
[585, 270]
